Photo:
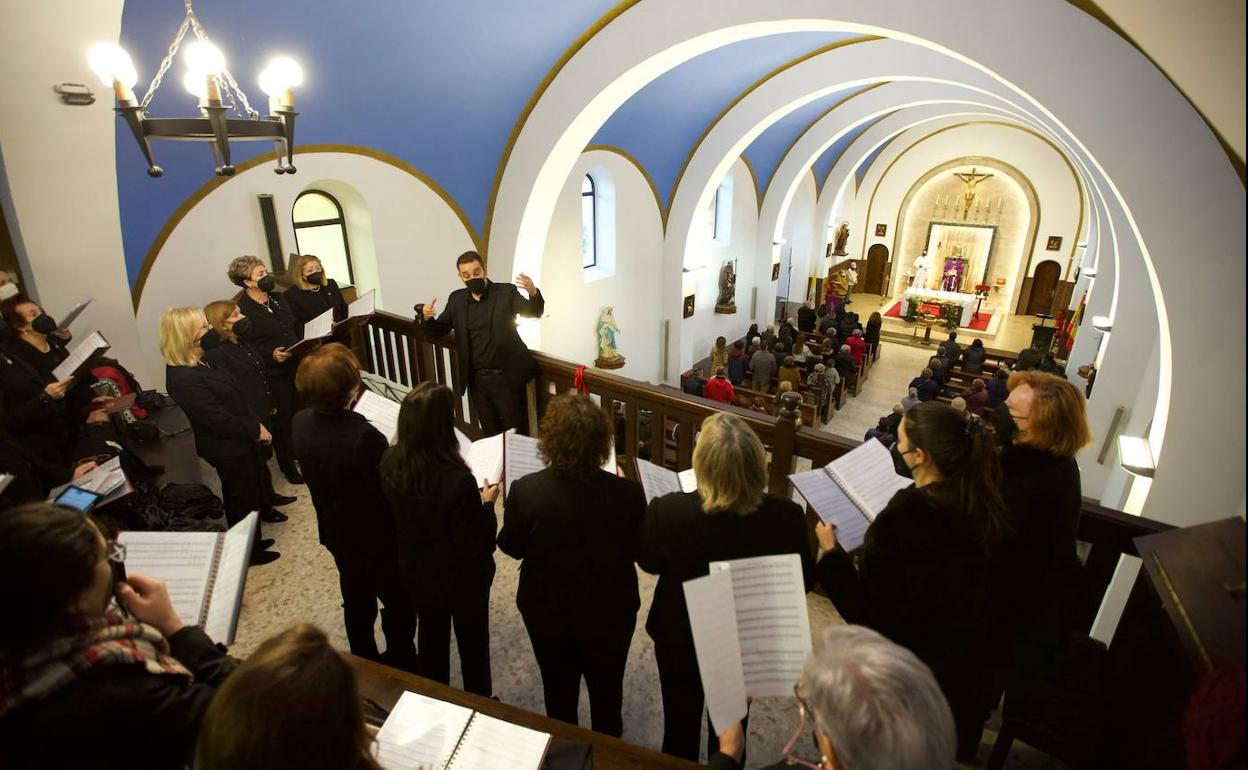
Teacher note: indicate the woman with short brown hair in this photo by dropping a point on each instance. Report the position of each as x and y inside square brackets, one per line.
[573, 526]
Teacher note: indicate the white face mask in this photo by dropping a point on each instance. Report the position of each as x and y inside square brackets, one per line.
[9, 290]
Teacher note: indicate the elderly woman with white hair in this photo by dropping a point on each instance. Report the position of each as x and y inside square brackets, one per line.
[873, 705]
[728, 517]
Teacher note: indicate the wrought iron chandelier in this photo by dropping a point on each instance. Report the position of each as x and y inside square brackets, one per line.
[219, 93]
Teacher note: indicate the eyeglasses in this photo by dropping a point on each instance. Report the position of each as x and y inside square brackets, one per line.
[117, 552]
[801, 728]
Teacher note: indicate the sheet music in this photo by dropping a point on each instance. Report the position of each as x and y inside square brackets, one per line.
[688, 480]
[5, 480]
[485, 457]
[521, 458]
[713, 620]
[420, 732]
[833, 506]
[773, 625]
[497, 745]
[381, 412]
[182, 559]
[227, 591]
[79, 355]
[321, 326]
[73, 313]
[868, 476]
[656, 481]
[104, 480]
[363, 306]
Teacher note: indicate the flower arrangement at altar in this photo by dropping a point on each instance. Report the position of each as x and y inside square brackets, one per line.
[950, 312]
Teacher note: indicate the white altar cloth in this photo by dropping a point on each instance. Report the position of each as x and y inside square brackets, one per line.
[967, 301]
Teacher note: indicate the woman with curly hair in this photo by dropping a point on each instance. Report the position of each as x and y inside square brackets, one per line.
[573, 526]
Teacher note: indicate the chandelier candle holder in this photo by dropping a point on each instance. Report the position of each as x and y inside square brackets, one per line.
[207, 78]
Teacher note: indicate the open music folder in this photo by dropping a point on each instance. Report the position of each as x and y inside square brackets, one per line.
[83, 355]
[314, 331]
[852, 490]
[73, 313]
[657, 481]
[521, 457]
[107, 480]
[751, 631]
[382, 412]
[423, 732]
[204, 572]
[358, 312]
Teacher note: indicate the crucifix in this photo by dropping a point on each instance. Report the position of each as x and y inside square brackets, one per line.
[970, 180]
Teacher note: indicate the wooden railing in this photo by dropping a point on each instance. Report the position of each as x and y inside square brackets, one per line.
[397, 351]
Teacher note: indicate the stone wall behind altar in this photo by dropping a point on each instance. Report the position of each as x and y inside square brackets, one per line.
[1010, 242]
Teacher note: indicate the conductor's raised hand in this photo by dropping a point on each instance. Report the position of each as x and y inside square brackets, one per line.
[526, 283]
[429, 309]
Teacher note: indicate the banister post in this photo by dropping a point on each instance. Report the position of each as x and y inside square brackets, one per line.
[782, 459]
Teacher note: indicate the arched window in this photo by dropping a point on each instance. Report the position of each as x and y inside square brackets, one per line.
[589, 223]
[321, 229]
[721, 228]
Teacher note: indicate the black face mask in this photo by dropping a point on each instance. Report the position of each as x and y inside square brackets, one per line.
[899, 463]
[210, 340]
[316, 279]
[241, 327]
[266, 284]
[43, 323]
[475, 285]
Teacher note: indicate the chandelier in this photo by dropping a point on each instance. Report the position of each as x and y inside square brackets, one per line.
[219, 93]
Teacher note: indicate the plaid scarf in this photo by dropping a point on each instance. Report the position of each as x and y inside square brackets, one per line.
[92, 642]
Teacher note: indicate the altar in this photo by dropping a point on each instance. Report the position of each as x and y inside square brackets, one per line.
[967, 301]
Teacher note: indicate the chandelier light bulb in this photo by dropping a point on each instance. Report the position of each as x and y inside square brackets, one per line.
[196, 84]
[204, 58]
[112, 64]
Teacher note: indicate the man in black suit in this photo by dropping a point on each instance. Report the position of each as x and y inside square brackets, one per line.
[495, 365]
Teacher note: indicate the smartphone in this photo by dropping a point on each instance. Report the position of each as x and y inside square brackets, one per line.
[78, 498]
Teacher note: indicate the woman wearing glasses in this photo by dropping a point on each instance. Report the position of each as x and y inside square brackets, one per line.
[923, 575]
[81, 685]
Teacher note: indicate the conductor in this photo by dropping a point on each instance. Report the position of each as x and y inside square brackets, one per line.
[483, 317]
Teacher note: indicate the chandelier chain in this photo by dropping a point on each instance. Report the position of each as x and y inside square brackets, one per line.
[165, 64]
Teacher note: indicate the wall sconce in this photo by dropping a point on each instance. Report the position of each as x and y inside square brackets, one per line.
[74, 93]
[1102, 323]
[1090, 272]
[1135, 455]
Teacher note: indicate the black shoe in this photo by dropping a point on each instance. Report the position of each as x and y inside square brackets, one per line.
[271, 516]
[293, 476]
[264, 544]
[282, 499]
[263, 557]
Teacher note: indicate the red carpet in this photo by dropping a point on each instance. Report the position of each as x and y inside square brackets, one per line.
[978, 323]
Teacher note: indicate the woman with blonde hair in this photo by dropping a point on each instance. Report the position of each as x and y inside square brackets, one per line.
[312, 292]
[293, 704]
[228, 433]
[728, 517]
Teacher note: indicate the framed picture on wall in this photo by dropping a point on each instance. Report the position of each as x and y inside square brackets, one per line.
[775, 271]
[881, 231]
[689, 304]
[1054, 244]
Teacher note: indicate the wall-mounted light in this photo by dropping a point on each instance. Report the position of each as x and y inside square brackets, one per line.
[1136, 456]
[1102, 323]
[1090, 272]
[76, 94]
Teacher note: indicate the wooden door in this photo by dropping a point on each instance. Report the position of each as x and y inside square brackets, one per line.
[877, 258]
[1044, 287]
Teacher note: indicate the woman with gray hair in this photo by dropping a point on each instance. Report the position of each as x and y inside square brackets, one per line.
[728, 517]
[873, 704]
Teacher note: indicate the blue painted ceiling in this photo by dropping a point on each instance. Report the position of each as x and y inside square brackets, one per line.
[861, 172]
[826, 161]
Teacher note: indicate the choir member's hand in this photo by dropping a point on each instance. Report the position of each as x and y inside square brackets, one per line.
[280, 355]
[489, 492]
[732, 741]
[526, 283]
[97, 416]
[57, 390]
[83, 468]
[147, 599]
[265, 436]
[62, 334]
[826, 534]
[428, 310]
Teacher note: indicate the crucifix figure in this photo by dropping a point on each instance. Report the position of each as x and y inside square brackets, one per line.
[970, 180]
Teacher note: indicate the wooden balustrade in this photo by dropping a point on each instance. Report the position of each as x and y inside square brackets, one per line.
[397, 351]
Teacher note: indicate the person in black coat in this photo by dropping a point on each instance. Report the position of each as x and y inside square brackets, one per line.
[444, 526]
[228, 434]
[340, 453]
[573, 526]
[927, 385]
[311, 293]
[871, 333]
[81, 686]
[495, 365]
[34, 412]
[806, 317]
[272, 332]
[923, 575]
[729, 517]
[973, 357]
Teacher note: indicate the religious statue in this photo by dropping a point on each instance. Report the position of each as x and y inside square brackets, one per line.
[608, 355]
[922, 266]
[971, 181]
[842, 240]
[727, 301]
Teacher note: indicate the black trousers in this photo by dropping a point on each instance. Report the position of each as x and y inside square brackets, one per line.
[282, 398]
[363, 580]
[567, 653]
[680, 684]
[498, 404]
[243, 485]
[469, 610]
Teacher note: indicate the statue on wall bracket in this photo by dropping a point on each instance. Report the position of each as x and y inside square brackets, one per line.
[842, 241]
[608, 354]
[727, 301]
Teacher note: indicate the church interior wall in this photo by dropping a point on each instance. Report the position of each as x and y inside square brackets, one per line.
[806, 259]
[569, 330]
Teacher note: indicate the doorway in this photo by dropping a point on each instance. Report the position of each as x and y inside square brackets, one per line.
[1044, 287]
[877, 260]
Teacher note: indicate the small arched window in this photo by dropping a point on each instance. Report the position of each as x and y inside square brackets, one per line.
[721, 215]
[589, 223]
[321, 229]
